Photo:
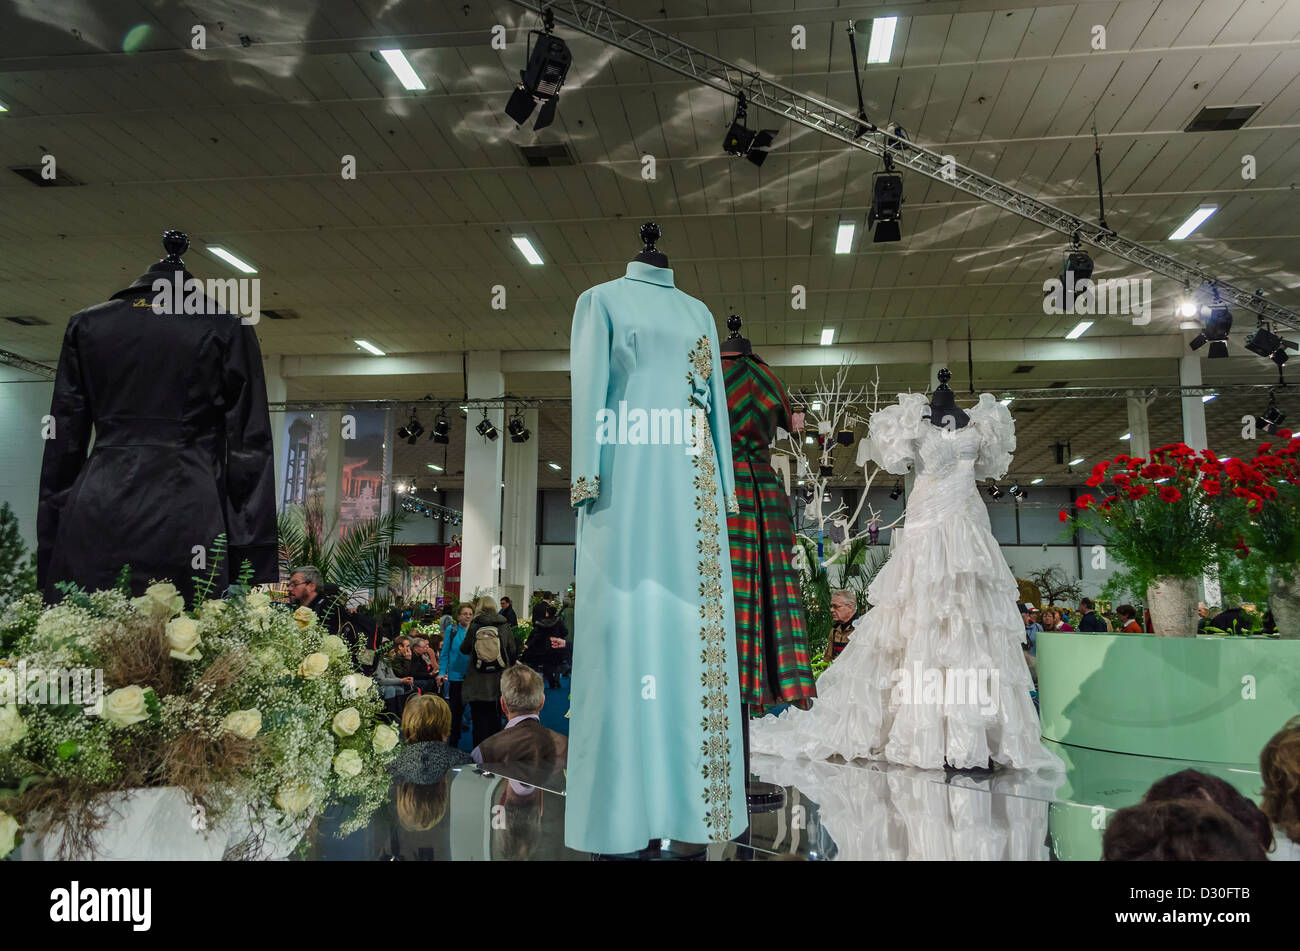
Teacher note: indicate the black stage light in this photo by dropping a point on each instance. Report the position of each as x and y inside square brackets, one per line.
[896, 492]
[886, 209]
[541, 79]
[744, 141]
[486, 429]
[1264, 342]
[1079, 264]
[518, 432]
[441, 430]
[1018, 493]
[1273, 417]
[1216, 321]
[995, 492]
[411, 431]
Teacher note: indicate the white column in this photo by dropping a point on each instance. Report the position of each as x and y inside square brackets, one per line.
[277, 391]
[1140, 442]
[519, 513]
[1189, 374]
[480, 558]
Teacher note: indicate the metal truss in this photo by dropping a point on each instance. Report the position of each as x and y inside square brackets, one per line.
[599, 21]
[1151, 391]
[30, 366]
[413, 503]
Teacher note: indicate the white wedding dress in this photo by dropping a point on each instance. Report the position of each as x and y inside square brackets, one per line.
[934, 672]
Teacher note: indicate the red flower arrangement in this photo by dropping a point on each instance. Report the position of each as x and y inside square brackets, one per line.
[1266, 491]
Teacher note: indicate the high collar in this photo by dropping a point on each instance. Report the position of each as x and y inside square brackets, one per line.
[637, 271]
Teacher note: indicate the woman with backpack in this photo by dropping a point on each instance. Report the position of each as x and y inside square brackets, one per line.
[490, 644]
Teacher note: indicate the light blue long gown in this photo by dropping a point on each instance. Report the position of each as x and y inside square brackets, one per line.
[654, 734]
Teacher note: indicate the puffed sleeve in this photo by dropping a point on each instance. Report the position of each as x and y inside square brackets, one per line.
[997, 437]
[589, 343]
[893, 431]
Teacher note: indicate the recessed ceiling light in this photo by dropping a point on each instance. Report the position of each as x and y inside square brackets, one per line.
[882, 39]
[817, 406]
[809, 440]
[1209, 396]
[1036, 481]
[844, 238]
[1079, 330]
[402, 69]
[3, 107]
[1006, 400]
[434, 466]
[367, 345]
[1194, 221]
[230, 259]
[828, 334]
[1125, 436]
[526, 249]
[554, 466]
[1076, 460]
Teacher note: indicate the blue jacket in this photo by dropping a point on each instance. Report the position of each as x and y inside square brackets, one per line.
[453, 662]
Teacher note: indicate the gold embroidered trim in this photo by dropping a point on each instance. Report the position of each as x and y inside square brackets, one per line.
[716, 745]
[583, 488]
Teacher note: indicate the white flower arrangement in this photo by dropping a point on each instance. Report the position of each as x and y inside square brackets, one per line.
[272, 717]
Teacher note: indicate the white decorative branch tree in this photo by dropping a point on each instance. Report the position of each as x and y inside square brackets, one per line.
[828, 409]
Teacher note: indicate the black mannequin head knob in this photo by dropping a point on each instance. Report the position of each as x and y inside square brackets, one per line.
[175, 243]
[733, 324]
[944, 376]
[650, 235]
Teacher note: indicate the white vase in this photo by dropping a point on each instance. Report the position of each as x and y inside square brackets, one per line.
[1284, 602]
[141, 825]
[1173, 606]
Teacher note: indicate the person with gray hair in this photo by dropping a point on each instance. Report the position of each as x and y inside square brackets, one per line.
[307, 589]
[524, 741]
[844, 617]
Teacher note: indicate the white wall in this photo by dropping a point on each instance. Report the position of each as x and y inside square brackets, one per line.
[554, 568]
[22, 404]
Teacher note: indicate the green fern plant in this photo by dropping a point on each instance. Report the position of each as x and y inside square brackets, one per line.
[359, 560]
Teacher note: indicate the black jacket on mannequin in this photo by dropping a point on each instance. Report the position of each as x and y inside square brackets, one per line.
[182, 449]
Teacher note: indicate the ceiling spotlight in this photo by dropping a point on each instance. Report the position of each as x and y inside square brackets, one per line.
[411, 431]
[541, 79]
[518, 432]
[1265, 343]
[995, 492]
[886, 210]
[1187, 308]
[1216, 323]
[1018, 493]
[744, 141]
[1272, 419]
[896, 492]
[486, 429]
[441, 430]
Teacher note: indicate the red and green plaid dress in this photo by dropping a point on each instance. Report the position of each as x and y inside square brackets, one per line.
[772, 643]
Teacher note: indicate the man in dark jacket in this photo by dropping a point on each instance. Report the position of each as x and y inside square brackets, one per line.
[508, 611]
[482, 689]
[547, 647]
[307, 588]
[524, 741]
[1088, 619]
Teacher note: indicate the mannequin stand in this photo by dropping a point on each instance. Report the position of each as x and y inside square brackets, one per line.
[761, 796]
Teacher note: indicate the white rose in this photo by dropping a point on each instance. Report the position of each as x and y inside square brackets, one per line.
[355, 685]
[347, 722]
[125, 706]
[162, 599]
[211, 608]
[348, 763]
[8, 831]
[293, 798]
[243, 723]
[333, 645]
[183, 638]
[385, 739]
[12, 727]
[313, 665]
[258, 600]
[304, 616]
